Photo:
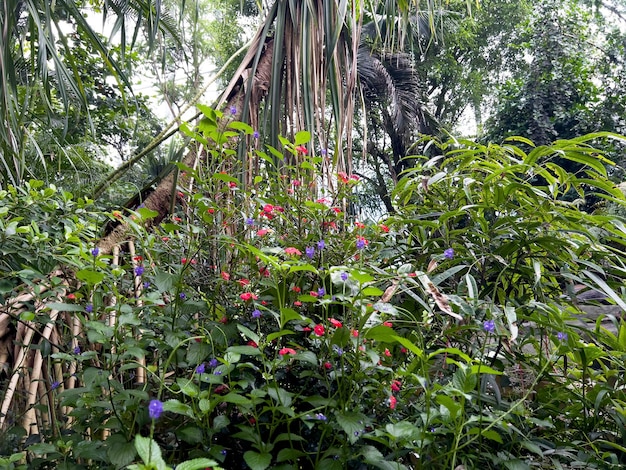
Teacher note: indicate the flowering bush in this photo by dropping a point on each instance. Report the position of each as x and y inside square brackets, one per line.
[264, 325]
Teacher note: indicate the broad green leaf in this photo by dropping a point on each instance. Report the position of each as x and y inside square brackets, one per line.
[175, 406]
[89, 276]
[197, 464]
[149, 452]
[248, 333]
[381, 333]
[409, 345]
[302, 137]
[256, 460]
[63, 307]
[188, 387]
[277, 334]
[287, 314]
[483, 369]
[352, 423]
[236, 399]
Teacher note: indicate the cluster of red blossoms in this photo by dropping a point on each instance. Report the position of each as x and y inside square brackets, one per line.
[268, 211]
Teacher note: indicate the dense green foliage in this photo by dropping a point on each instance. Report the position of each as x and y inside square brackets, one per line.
[266, 326]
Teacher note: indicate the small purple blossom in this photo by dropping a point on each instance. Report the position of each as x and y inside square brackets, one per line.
[146, 284]
[255, 134]
[182, 296]
[320, 416]
[448, 253]
[489, 326]
[155, 409]
[344, 276]
[224, 452]
[89, 308]
[55, 385]
[200, 369]
[360, 244]
[321, 292]
[95, 251]
[233, 110]
[217, 372]
[256, 313]
[561, 336]
[139, 270]
[321, 245]
[76, 350]
[338, 350]
[250, 221]
[213, 363]
[309, 251]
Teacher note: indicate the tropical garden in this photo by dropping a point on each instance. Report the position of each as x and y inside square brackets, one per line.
[312, 235]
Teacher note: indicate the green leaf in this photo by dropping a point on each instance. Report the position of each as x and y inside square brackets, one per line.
[449, 404]
[289, 454]
[248, 333]
[352, 424]
[483, 369]
[243, 349]
[179, 408]
[303, 267]
[89, 276]
[149, 452]
[302, 137]
[277, 334]
[381, 333]
[492, 435]
[147, 214]
[188, 387]
[287, 314]
[197, 352]
[409, 345]
[236, 399]
[241, 126]
[256, 460]
[196, 464]
[120, 452]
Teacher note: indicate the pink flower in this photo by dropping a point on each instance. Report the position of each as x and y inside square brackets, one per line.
[384, 228]
[285, 351]
[225, 276]
[243, 282]
[328, 365]
[335, 323]
[246, 296]
[293, 251]
[302, 149]
[392, 402]
[262, 232]
[343, 177]
[395, 385]
[387, 353]
[268, 208]
[388, 323]
[319, 330]
[355, 333]
[313, 293]
[297, 303]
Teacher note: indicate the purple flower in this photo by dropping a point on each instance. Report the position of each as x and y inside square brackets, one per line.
[76, 350]
[360, 244]
[320, 416]
[255, 134]
[250, 221]
[88, 308]
[95, 251]
[55, 385]
[323, 151]
[213, 362]
[256, 313]
[561, 336]
[321, 291]
[233, 110]
[321, 245]
[344, 276]
[139, 271]
[146, 284]
[489, 326]
[155, 409]
[309, 251]
[224, 452]
[449, 253]
[217, 372]
[338, 350]
[200, 369]
[182, 296]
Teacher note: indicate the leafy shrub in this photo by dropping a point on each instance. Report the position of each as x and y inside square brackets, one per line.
[262, 325]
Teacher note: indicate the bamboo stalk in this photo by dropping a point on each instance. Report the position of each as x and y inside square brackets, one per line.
[140, 374]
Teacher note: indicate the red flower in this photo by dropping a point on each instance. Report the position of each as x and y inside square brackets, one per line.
[224, 320]
[138, 258]
[268, 208]
[210, 210]
[225, 276]
[388, 323]
[395, 385]
[285, 351]
[355, 333]
[319, 330]
[335, 323]
[343, 177]
[384, 228]
[243, 282]
[302, 149]
[296, 289]
[293, 251]
[254, 345]
[313, 293]
[412, 274]
[297, 303]
[71, 296]
[336, 210]
[165, 239]
[262, 232]
[232, 184]
[387, 353]
[392, 402]
[176, 219]
[246, 296]
[359, 225]
[306, 329]
[404, 350]
[296, 182]
[328, 365]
